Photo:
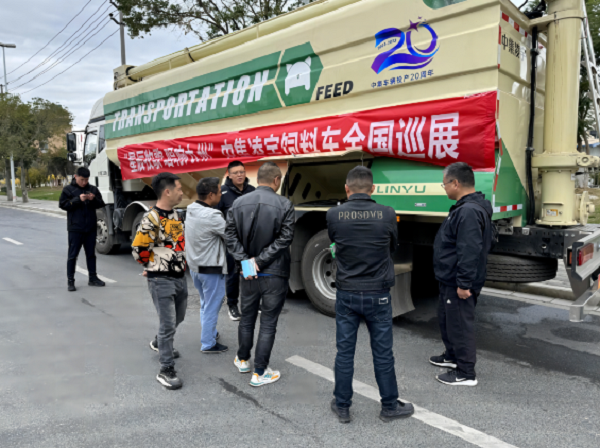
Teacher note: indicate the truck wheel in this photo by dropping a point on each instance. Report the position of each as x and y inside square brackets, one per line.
[106, 244]
[319, 269]
[507, 268]
[136, 224]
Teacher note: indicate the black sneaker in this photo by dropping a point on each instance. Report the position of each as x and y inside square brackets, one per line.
[154, 346]
[72, 286]
[217, 348]
[342, 413]
[453, 378]
[442, 361]
[403, 410]
[168, 378]
[234, 313]
[96, 282]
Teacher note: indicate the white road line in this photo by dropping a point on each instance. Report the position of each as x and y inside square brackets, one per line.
[85, 272]
[430, 418]
[10, 240]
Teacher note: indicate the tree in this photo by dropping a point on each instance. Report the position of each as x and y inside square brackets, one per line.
[8, 105]
[206, 19]
[24, 125]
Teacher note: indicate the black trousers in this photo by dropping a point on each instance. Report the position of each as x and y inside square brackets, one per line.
[457, 325]
[232, 282]
[88, 241]
[272, 291]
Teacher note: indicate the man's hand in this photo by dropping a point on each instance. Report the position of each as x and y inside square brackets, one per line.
[145, 273]
[257, 270]
[91, 196]
[463, 293]
[83, 197]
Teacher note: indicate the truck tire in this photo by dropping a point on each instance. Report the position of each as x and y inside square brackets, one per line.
[507, 268]
[136, 223]
[318, 273]
[106, 244]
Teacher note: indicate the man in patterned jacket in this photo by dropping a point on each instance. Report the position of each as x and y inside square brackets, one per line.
[159, 246]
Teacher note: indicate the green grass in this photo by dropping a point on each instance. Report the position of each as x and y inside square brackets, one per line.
[46, 193]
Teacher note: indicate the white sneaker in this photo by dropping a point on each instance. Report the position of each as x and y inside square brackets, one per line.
[270, 376]
[242, 366]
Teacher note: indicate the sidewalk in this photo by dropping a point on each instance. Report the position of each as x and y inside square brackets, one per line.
[37, 205]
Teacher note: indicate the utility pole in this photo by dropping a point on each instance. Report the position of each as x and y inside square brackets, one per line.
[122, 31]
[12, 163]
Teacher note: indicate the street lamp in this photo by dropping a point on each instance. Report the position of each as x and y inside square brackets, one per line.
[12, 163]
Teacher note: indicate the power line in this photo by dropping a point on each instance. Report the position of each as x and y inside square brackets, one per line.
[74, 17]
[77, 47]
[67, 41]
[75, 63]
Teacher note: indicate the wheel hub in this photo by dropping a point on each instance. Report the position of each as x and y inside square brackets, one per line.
[324, 272]
[102, 232]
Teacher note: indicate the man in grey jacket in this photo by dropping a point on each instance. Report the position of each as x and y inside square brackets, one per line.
[205, 253]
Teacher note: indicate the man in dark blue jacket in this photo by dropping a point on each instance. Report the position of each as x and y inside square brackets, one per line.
[236, 185]
[365, 236]
[460, 255]
[81, 200]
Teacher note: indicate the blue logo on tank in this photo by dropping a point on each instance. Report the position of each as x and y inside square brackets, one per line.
[397, 55]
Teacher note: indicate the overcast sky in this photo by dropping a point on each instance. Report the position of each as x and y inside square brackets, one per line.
[31, 24]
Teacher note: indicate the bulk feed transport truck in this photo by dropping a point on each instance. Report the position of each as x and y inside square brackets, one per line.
[404, 87]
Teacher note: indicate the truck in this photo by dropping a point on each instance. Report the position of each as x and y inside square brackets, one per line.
[405, 88]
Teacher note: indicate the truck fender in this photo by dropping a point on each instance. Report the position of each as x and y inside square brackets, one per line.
[133, 210]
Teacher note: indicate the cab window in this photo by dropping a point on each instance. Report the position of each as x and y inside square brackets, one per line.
[101, 140]
[91, 144]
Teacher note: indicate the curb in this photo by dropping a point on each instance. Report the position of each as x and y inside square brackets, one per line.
[555, 292]
[540, 300]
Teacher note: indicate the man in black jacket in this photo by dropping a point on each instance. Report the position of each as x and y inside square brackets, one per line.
[81, 200]
[235, 186]
[260, 228]
[460, 255]
[365, 234]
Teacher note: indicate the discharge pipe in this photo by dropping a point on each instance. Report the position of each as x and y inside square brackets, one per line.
[560, 159]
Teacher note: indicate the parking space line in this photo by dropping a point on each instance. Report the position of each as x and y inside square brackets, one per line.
[10, 240]
[85, 272]
[438, 421]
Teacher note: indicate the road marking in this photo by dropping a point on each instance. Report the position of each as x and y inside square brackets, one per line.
[104, 279]
[430, 418]
[10, 240]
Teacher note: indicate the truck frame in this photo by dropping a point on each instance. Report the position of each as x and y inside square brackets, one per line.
[472, 80]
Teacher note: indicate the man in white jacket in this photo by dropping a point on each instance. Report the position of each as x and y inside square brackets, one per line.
[205, 253]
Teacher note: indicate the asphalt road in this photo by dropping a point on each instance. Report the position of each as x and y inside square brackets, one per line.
[76, 369]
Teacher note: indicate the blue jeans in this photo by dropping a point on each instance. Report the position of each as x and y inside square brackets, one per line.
[376, 310]
[212, 290]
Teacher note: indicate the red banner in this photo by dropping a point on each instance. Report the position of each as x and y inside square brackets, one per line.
[437, 132]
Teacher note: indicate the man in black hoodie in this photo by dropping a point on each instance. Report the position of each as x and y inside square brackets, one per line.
[235, 186]
[81, 200]
[460, 255]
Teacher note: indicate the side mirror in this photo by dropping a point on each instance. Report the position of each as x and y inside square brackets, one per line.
[71, 143]
[71, 157]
